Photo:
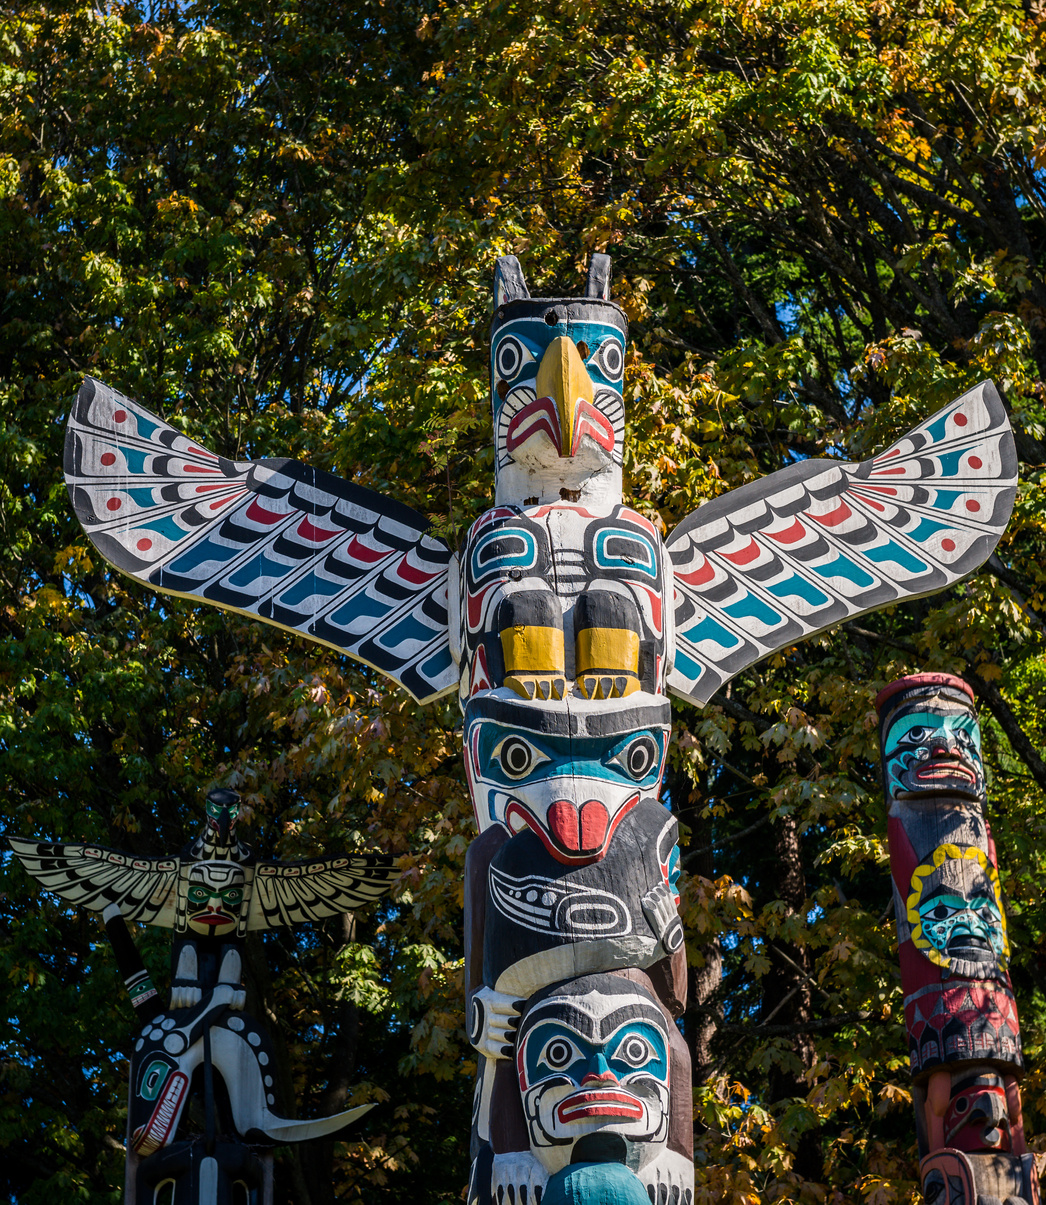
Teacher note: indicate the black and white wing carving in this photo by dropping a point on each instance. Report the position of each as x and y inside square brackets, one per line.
[287, 893]
[824, 541]
[296, 547]
[145, 889]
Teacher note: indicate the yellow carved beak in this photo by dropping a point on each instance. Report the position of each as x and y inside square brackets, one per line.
[562, 376]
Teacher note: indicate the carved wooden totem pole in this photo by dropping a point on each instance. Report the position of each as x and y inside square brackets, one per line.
[211, 895]
[963, 1035]
[563, 623]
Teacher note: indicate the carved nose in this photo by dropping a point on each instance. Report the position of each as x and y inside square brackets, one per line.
[604, 1077]
[580, 830]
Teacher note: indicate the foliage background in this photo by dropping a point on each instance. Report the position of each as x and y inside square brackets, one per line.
[275, 223]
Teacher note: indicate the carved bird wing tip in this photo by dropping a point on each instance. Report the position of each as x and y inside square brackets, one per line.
[821, 542]
[94, 876]
[287, 893]
[276, 540]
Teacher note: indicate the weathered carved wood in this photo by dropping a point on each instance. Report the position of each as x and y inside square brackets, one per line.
[963, 1033]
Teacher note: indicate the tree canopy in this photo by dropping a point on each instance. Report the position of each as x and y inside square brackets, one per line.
[276, 225]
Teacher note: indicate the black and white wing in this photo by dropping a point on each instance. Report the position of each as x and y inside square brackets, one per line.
[294, 546]
[287, 893]
[824, 541]
[145, 889]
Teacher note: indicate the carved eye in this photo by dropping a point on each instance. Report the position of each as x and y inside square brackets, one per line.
[917, 735]
[518, 756]
[964, 738]
[558, 1053]
[609, 360]
[962, 1104]
[635, 1051]
[639, 757]
[510, 358]
[199, 895]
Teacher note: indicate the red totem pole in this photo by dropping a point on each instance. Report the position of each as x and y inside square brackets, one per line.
[963, 1035]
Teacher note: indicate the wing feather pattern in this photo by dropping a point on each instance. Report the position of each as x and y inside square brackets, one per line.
[145, 889]
[294, 546]
[287, 893]
[824, 541]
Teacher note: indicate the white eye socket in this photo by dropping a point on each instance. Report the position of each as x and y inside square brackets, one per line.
[635, 1051]
[510, 358]
[609, 359]
[964, 738]
[639, 757]
[518, 756]
[558, 1053]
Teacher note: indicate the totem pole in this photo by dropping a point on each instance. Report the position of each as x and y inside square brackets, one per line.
[211, 895]
[964, 1039]
[562, 623]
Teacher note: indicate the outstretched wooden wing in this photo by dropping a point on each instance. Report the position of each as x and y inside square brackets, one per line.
[145, 889]
[824, 541]
[287, 893]
[294, 546]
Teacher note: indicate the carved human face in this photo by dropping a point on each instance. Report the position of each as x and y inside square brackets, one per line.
[569, 770]
[955, 910]
[556, 391]
[592, 1056]
[930, 752]
[215, 894]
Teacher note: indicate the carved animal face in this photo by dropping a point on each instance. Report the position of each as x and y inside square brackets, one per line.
[977, 1117]
[557, 366]
[592, 1055]
[215, 895]
[158, 1096]
[570, 770]
[932, 752]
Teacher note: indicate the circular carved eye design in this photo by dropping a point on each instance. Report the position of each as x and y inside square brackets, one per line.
[518, 756]
[639, 757]
[509, 358]
[962, 1104]
[558, 1053]
[634, 1050]
[609, 359]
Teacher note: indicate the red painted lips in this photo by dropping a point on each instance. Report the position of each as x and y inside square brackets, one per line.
[605, 1102]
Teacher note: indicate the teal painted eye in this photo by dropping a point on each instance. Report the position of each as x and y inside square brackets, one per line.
[199, 895]
[608, 359]
[510, 358]
[635, 1051]
[517, 757]
[558, 1053]
[232, 896]
[638, 758]
[153, 1076]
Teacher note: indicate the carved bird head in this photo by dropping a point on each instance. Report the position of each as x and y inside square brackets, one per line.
[556, 390]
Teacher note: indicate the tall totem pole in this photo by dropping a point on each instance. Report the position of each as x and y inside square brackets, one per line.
[563, 622]
[964, 1039]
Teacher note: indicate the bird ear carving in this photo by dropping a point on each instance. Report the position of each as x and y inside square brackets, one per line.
[598, 283]
[509, 282]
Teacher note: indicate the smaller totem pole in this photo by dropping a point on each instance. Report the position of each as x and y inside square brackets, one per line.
[963, 1034]
[204, 1046]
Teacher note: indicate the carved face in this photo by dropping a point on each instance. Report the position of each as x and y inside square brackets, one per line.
[955, 910]
[570, 770]
[977, 1117]
[215, 894]
[931, 752]
[557, 366]
[158, 1096]
[592, 1055]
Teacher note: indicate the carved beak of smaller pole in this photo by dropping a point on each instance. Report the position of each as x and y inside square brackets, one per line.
[564, 380]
